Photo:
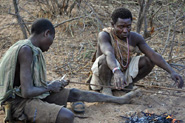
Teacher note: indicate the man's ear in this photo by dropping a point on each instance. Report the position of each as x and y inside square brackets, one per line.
[46, 33]
[112, 23]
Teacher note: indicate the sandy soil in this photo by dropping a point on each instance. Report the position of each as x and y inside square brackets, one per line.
[158, 102]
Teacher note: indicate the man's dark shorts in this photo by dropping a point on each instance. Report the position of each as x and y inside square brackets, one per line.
[40, 110]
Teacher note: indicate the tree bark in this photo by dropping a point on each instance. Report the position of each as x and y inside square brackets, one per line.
[144, 6]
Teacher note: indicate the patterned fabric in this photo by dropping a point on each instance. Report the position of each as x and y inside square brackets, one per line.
[8, 67]
[122, 46]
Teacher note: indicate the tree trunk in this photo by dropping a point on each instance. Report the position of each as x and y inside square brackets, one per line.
[144, 6]
[19, 19]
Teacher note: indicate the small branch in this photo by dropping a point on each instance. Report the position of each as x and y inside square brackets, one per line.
[172, 43]
[10, 24]
[98, 20]
[153, 15]
[69, 20]
[125, 2]
[26, 27]
[174, 28]
[167, 40]
[176, 66]
[140, 85]
[177, 58]
[153, 86]
[183, 16]
[28, 12]
[144, 6]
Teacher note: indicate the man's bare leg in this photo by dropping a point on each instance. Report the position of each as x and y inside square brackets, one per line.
[145, 67]
[89, 96]
[105, 75]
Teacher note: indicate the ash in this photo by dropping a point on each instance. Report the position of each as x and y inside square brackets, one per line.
[151, 118]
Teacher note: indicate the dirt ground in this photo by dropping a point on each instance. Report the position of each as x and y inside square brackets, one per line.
[73, 49]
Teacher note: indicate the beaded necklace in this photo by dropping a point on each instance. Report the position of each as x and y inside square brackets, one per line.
[128, 55]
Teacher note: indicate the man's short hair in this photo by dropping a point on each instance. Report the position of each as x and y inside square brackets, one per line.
[122, 13]
[42, 25]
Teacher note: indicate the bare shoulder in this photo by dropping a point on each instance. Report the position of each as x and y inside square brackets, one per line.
[104, 43]
[104, 37]
[25, 53]
[137, 38]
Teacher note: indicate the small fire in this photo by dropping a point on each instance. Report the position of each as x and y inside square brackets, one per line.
[173, 120]
[151, 118]
[168, 117]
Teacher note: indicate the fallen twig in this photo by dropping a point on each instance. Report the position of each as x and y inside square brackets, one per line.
[177, 58]
[82, 117]
[175, 66]
[154, 86]
[140, 85]
[69, 20]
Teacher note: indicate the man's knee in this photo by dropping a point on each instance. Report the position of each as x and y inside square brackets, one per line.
[102, 65]
[145, 61]
[73, 95]
[102, 60]
[149, 62]
[74, 92]
[65, 116]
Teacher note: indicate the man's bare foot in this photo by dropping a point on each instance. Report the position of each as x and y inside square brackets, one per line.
[125, 99]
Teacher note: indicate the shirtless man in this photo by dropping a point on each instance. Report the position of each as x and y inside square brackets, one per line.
[115, 61]
[23, 82]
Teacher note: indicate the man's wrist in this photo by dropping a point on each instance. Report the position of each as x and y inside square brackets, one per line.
[48, 87]
[115, 69]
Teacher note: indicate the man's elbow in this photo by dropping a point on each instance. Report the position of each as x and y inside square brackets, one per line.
[25, 94]
[108, 53]
[156, 57]
[159, 56]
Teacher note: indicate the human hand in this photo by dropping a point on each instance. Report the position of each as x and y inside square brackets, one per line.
[64, 82]
[178, 80]
[119, 80]
[55, 86]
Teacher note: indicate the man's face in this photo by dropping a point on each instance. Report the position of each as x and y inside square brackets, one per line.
[47, 42]
[122, 28]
